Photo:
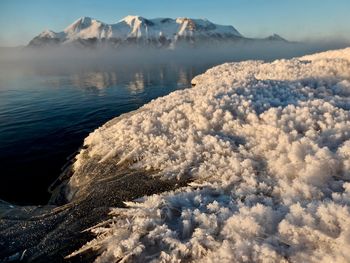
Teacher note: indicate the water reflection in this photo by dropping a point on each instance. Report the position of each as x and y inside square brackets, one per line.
[184, 77]
[135, 80]
[137, 85]
[47, 112]
[99, 80]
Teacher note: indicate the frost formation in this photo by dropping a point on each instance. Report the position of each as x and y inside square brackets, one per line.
[266, 147]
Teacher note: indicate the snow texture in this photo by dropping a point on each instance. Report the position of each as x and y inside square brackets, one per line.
[139, 27]
[266, 147]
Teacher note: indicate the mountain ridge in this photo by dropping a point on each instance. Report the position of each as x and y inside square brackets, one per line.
[158, 32]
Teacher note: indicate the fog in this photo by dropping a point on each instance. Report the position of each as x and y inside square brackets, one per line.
[74, 58]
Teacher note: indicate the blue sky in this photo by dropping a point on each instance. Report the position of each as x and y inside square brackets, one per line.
[20, 20]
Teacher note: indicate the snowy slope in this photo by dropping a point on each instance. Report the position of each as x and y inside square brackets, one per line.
[266, 147]
[160, 31]
[333, 54]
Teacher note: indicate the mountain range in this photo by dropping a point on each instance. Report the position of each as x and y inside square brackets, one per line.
[137, 30]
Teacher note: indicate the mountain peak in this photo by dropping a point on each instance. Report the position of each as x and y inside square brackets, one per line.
[276, 37]
[134, 20]
[47, 33]
[84, 20]
[81, 23]
[130, 18]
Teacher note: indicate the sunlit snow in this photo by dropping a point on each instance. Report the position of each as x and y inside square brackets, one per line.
[266, 147]
[137, 26]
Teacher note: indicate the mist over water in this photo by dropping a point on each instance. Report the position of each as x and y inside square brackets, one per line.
[52, 98]
[73, 56]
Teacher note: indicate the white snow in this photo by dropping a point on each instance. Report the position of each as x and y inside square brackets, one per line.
[85, 28]
[139, 27]
[267, 147]
[51, 34]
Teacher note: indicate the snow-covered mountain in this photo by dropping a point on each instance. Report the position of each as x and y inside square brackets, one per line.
[159, 32]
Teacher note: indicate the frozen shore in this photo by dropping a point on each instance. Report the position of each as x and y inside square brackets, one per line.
[266, 147]
[250, 165]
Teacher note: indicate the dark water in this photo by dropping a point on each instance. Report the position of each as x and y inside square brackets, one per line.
[46, 113]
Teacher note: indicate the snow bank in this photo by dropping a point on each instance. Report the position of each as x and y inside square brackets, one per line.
[267, 149]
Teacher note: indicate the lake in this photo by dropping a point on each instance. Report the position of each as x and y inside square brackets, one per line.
[45, 114]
